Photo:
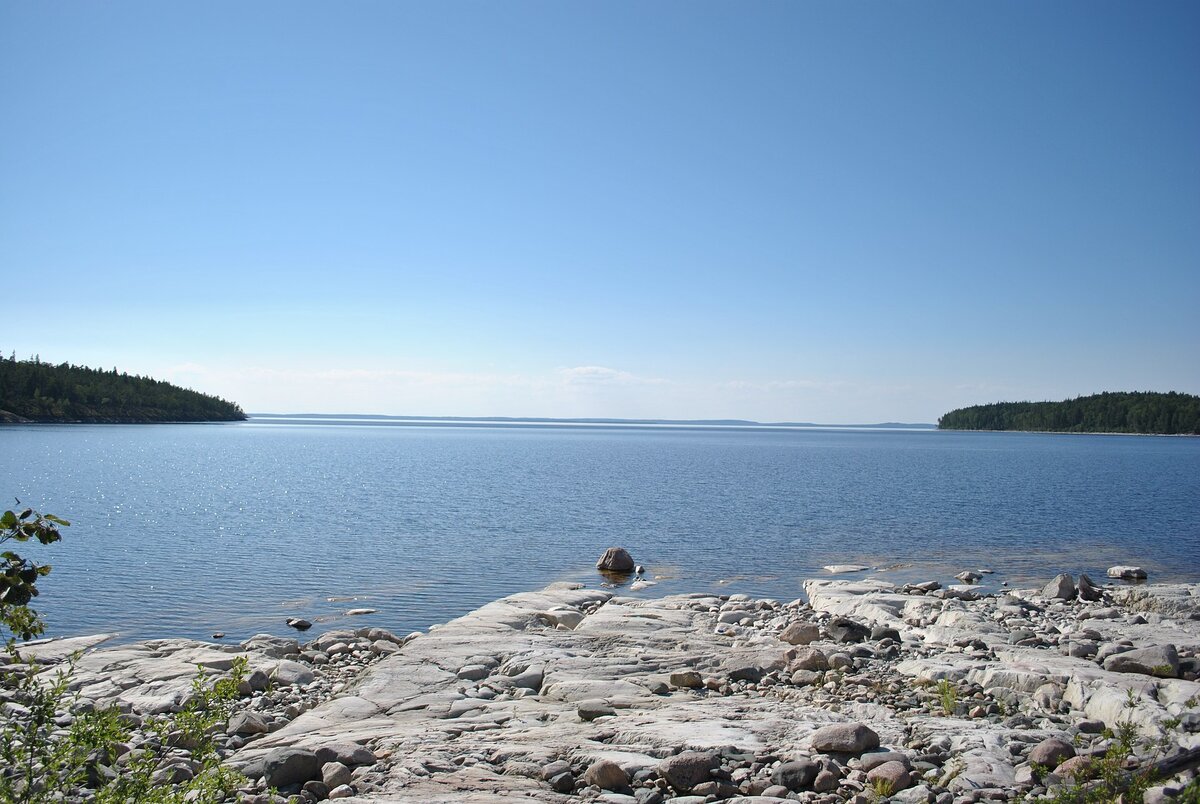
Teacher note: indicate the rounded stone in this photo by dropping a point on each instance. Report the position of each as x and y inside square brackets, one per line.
[810, 659]
[844, 738]
[797, 775]
[685, 771]
[800, 633]
[892, 774]
[1051, 752]
[606, 774]
[335, 774]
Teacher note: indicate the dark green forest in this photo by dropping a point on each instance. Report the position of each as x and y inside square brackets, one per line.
[31, 390]
[1116, 412]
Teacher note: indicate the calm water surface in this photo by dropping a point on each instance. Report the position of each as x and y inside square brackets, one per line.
[182, 530]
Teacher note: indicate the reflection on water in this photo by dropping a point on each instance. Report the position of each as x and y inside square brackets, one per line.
[186, 530]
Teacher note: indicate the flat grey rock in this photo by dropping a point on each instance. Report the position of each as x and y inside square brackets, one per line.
[566, 679]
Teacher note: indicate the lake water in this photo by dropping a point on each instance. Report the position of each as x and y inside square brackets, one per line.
[183, 530]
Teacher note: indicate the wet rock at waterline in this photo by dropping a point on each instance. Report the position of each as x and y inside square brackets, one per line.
[1061, 588]
[1127, 573]
[615, 559]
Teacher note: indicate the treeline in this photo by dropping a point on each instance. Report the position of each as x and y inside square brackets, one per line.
[1137, 412]
[31, 390]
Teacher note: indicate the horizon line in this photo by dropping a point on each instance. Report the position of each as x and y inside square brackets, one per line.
[581, 420]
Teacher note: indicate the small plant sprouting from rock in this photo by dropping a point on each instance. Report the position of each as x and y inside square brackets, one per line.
[1118, 775]
[880, 789]
[43, 766]
[948, 697]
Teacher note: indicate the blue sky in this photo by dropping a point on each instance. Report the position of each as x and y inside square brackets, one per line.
[834, 212]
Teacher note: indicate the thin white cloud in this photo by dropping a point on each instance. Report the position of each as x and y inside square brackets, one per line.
[602, 375]
[783, 385]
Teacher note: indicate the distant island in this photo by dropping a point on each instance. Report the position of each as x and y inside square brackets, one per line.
[33, 391]
[1145, 413]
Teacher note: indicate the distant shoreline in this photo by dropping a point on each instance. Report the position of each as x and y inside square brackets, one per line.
[1068, 432]
[539, 420]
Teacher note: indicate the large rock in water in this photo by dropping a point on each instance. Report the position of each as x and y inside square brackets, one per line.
[616, 559]
[1127, 573]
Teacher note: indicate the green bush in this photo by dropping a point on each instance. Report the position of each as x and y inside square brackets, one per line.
[53, 749]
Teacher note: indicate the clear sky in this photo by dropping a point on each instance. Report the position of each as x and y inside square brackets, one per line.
[813, 211]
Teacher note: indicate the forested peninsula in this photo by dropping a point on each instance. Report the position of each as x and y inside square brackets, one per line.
[33, 391]
[1145, 413]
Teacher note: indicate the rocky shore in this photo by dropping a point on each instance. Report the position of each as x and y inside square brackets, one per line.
[865, 691]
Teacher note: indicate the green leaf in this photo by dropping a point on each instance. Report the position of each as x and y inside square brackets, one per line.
[57, 520]
[9, 520]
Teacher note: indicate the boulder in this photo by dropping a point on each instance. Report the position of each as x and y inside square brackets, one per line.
[1127, 573]
[289, 673]
[592, 709]
[844, 738]
[800, 633]
[885, 632]
[606, 774]
[893, 775]
[827, 781]
[273, 646]
[969, 577]
[350, 754]
[841, 629]
[796, 776]
[562, 782]
[247, 723]
[873, 759]
[616, 559]
[1061, 588]
[746, 672]
[552, 769]
[1051, 752]
[1088, 590]
[809, 659]
[1157, 660]
[1078, 765]
[685, 771]
[803, 678]
[335, 774]
[687, 679]
[318, 790]
[287, 766]
[473, 672]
